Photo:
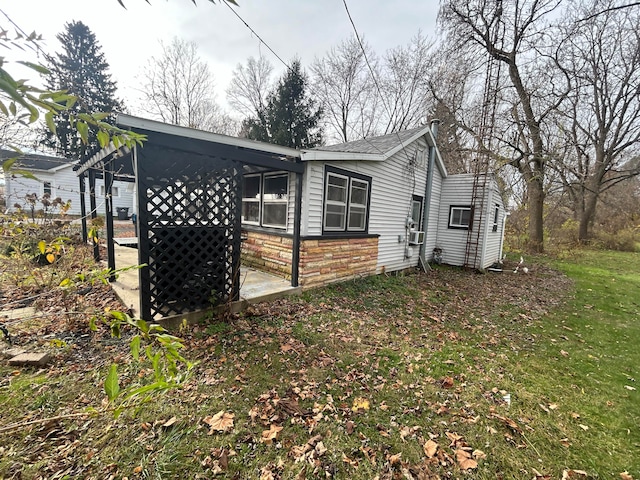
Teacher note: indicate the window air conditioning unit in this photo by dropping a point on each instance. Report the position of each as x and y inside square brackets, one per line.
[416, 237]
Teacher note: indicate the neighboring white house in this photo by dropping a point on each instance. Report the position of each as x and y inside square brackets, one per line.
[56, 177]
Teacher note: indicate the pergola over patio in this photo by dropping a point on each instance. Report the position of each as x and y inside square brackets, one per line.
[188, 189]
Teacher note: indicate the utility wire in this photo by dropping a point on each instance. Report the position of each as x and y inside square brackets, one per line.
[257, 36]
[373, 76]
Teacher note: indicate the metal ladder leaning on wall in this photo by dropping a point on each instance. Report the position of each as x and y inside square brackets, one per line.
[482, 163]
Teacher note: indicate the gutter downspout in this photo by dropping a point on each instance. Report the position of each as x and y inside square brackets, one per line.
[428, 191]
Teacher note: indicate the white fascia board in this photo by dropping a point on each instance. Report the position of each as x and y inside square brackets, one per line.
[130, 121]
[440, 163]
[412, 139]
[63, 166]
[326, 155]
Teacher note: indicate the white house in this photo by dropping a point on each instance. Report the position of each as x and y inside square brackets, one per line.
[55, 176]
[369, 206]
[205, 202]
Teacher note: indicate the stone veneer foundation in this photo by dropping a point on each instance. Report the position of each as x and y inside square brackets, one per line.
[322, 261]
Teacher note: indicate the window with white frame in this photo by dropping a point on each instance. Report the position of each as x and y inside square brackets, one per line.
[47, 188]
[275, 198]
[265, 199]
[460, 217]
[346, 201]
[496, 215]
[416, 211]
[251, 199]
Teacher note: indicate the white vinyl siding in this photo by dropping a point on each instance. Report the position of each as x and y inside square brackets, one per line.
[391, 194]
[456, 191]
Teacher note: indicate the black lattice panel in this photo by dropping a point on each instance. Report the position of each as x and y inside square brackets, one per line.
[189, 269]
[189, 231]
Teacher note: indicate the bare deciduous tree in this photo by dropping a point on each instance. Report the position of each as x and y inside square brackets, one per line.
[405, 84]
[178, 88]
[508, 32]
[600, 121]
[345, 88]
[14, 132]
[250, 86]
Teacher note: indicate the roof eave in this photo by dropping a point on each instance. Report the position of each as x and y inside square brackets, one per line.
[326, 155]
[132, 122]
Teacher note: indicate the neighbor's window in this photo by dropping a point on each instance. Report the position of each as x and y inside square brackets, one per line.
[460, 217]
[46, 188]
[496, 214]
[115, 191]
[346, 204]
[265, 198]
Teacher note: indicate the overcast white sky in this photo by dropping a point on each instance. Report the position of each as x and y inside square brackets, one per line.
[303, 28]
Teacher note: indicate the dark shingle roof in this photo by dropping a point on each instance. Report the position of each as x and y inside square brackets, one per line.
[381, 144]
[34, 161]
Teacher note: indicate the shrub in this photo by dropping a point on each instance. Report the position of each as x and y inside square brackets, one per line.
[625, 240]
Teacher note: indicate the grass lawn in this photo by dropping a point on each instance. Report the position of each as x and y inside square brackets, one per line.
[447, 375]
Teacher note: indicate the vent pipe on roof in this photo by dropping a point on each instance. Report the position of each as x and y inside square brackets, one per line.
[428, 190]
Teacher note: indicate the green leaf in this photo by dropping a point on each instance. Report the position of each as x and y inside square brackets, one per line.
[121, 316]
[24, 173]
[7, 164]
[34, 66]
[100, 116]
[92, 324]
[42, 246]
[103, 138]
[135, 347]
[50, 123]
[83, 130]
[111, 385]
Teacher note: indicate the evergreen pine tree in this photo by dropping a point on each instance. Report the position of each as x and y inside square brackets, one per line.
[81, 70]
[290, 118]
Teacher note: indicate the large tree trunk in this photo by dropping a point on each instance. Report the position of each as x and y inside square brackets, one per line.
[536, 211]
[532, 169]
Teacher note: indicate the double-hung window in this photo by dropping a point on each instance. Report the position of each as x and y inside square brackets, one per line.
[265, 198]
[47, 188]
[346, 201]
[496, 216]
[460, 217]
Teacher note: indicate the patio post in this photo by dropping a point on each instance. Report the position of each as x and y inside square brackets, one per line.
[108, 211]
[94, 213]
[295, 257]
[83, 207]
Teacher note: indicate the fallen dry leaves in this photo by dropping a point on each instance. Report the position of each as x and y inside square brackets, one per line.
[220, 422]
[430, 448]
[268, 436]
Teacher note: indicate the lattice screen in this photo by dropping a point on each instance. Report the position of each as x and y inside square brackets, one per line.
[189, 216]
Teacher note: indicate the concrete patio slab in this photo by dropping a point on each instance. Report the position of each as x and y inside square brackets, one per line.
[255, 286]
